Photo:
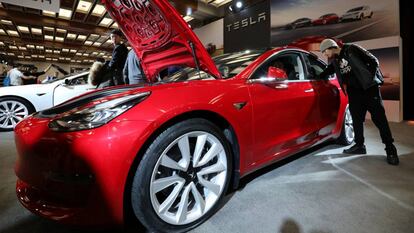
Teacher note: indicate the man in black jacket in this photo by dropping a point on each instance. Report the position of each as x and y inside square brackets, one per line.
[119, 55]
[358, 73]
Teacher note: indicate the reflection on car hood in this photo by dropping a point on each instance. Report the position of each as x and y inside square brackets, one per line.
[159, 36]
[85, 99]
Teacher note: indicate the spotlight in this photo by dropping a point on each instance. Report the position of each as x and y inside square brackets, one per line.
[239, 4]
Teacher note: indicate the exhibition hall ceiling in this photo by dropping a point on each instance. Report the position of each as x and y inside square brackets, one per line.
[79, 32]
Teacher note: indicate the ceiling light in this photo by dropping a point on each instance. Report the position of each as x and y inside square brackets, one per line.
[48, 58]
[79, 54]
[97, 44]
[78, 61]
[54, 59]
[65, 50]
[67, 59]
[49, 13]
[81, 37]
[95, 53]
[12, 33]
[65, 14]
[56, 51]
[99, 10]
[73, 50]
[8, 22]
[23, 29]
[27, 57]
[37, 31]
[20, 56]
[22, 48]
[71, 36]
[48, 37]
[88, 42]
[85, 54]
[41, 56]
[83, 6]
[239, 4]
[34, 55]
[1, 43]
[10, 54]
[12, 47]
[60, 39]
[30, 46]
[40, 47]
[49, 29]
[2, 32]
[115, 25]
[60, 30]
[49, 51]
[105, 22]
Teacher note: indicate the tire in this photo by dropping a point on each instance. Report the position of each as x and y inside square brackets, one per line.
[168, 193]
[347, 133]
[12, 111]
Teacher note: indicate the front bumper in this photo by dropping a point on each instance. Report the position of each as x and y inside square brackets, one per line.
[69, 177]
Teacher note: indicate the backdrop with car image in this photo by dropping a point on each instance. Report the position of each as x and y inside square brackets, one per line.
[371, 23]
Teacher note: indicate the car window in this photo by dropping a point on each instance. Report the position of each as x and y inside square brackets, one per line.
[291, 63]
[81, 80]
[315, 66]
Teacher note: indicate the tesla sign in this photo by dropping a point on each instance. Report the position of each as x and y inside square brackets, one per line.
[48, 5]
[248, 29]
[261, 17]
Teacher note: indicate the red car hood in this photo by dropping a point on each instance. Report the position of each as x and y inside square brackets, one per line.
[159, 36]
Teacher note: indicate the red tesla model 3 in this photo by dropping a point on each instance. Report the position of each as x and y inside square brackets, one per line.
[168, 151]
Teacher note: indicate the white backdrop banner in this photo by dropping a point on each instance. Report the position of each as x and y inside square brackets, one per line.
[48, 5]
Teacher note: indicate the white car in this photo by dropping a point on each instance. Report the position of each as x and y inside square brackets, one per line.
[17, 102]
[357, 13]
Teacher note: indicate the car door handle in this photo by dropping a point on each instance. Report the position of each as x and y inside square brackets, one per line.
[309, 90]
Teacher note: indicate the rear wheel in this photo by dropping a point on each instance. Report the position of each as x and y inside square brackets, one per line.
[347, 133]
[12, 111]
[182, 177]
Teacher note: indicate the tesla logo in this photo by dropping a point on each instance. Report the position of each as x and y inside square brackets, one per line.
[246, 22]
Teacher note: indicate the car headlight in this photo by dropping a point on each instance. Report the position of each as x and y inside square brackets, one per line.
[96, 115]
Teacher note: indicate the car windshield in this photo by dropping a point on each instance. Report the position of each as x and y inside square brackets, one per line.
[355, 9]
[229, 65]
[327, 15]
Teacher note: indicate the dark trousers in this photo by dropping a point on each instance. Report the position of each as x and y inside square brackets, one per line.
[361, 101]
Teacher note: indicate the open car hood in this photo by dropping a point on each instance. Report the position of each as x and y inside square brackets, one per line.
[159, 36]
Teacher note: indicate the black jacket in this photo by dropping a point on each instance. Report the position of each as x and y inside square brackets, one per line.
[356, 67]
[116, 65]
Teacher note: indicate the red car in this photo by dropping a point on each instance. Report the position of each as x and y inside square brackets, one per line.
[168, 152]
[326, 19]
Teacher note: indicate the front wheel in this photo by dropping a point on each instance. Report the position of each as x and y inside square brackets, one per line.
[347, 133]
[182, 177]
[12, 111]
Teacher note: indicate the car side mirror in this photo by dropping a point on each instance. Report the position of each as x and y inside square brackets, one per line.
[276, 73]
[67, 81]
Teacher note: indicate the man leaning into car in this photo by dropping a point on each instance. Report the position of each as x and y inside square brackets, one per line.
[358, 73]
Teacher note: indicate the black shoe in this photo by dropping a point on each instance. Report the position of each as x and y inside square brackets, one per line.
[392, 156]
[355, 150]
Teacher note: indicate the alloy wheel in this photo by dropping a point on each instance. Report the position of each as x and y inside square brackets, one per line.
[349, 127]
[188, 178]
[11, 112]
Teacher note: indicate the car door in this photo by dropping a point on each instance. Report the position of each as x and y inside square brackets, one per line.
[283, 111]
[71, 88]
[327, 96]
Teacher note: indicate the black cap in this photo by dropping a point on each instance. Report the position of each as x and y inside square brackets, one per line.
[117, 32]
